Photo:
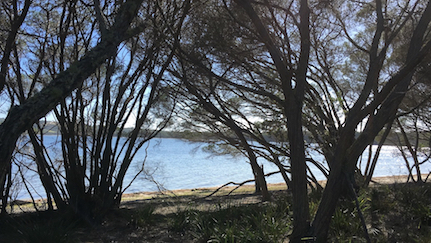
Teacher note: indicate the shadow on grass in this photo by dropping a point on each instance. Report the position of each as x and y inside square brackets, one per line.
[393, 213]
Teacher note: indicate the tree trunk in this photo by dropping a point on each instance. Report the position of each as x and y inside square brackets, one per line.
[260, 178]
[45, 175]
[301, 215]
[10, 41]
[20, 118]
[293, 112]
[370, 168]
[5, 185]
[293, 103]
[381, 110]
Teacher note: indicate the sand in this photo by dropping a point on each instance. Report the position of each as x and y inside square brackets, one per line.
[248, 188]
[27, 205]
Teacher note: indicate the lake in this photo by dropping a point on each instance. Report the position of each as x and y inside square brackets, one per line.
[179, 164]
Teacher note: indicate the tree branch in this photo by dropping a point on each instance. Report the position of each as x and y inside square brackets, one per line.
[23, 116]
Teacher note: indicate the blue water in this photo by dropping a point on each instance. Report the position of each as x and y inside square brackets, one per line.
[178, 164]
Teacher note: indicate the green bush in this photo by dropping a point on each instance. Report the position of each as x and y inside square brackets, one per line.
[144, 216]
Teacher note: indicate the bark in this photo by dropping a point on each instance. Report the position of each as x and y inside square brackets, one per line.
[301, 214]
[257, 170]
[293, 105]
[10, 41]
[381, 110]
[5, 185]
[20, 118]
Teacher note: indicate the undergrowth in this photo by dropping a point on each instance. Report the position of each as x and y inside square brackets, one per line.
[268, 222]
[38, 228]
[392, 213]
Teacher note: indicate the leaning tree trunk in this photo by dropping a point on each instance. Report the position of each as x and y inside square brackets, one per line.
[20, 118]
[257, 171]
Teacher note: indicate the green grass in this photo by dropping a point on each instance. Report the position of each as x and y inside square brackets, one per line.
[144, 216]
[268, 222]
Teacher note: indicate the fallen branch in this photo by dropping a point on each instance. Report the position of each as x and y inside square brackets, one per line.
[229, 183]
[238, 185]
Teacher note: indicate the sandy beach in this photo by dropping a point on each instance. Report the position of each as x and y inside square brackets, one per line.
[249, 188]
[27, 205]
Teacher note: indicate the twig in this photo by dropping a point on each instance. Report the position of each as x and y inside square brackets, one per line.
[237, 184]
[361, 216]
[229, 183]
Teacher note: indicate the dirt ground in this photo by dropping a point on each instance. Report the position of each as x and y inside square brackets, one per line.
[121, 226]
[20, 206]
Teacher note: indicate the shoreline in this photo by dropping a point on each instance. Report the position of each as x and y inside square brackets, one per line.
[205, 191]
[248, 188]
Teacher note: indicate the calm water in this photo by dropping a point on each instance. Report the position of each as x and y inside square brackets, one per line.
[178, 164]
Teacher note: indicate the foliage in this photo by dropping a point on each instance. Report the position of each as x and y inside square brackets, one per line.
[144, 216]
[249, 72]
[393, 213]
[346, 223]
[126, 90]
[236, 223]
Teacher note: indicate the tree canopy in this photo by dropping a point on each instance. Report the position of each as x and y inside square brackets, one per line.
[272, 79]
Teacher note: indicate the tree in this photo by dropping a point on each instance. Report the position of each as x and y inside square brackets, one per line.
[16, 13]
[21, 117]
[291, 94]
[378, 107]
[282, 35]
[126, 89]
[13, 15]
[98, 148]
[209, 109]
[412, 125]
[297, 61]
